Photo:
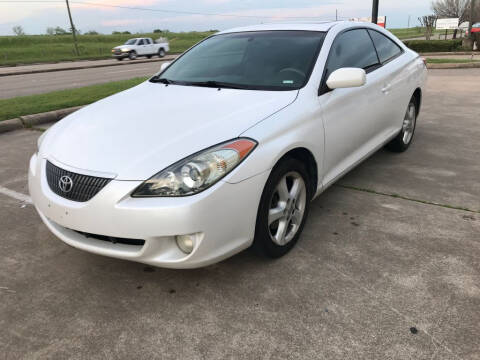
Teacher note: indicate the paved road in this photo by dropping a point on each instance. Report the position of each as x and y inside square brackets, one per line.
[28, 84]
[367, 269]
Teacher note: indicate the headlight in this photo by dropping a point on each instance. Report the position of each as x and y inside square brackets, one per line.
[40, 140]
[125, 50]
[197, 172]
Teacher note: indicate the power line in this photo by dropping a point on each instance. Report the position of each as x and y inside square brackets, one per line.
[89, 3]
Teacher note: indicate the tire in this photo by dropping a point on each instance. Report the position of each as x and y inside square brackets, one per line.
[161, 53]
[119, 59]
[289, 214]
[132, 55]
[149, 56]
[405, 137]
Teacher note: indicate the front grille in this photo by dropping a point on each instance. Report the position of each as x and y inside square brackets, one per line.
[113, 240]
[79, 188]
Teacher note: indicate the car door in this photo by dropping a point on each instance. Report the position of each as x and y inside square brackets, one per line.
[395, 88]
[351, 117]
[141, 47]
[149, 46]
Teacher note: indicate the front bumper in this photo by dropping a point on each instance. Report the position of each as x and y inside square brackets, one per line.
[223, 217]
[120, 54]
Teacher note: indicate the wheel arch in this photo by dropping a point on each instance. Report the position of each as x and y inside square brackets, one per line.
[306, 157]
[417, 95]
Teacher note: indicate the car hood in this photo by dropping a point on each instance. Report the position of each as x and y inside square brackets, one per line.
[136, 133]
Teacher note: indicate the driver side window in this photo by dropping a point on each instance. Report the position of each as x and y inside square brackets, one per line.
[353, 48]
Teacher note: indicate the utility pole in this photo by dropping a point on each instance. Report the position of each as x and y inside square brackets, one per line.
[472, 11]
[74, 31]
[408, 22]
[375, 12]
[336, 14]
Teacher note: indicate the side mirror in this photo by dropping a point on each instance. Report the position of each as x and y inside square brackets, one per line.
[347, 78]
[164, 66]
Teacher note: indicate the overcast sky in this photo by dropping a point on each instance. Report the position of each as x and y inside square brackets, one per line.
[36, 17]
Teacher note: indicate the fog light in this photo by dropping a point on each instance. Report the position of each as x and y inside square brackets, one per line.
[186, 243]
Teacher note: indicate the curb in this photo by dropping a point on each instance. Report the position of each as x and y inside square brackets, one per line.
[454, 66]
[450, 53]
[29, 121]
[78, 67]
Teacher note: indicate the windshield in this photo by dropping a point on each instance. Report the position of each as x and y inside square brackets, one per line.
[263, 60]
[130, 42]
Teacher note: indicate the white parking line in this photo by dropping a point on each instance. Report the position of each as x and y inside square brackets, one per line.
[16, 195]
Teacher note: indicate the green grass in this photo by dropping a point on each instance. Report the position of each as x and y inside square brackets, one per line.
[408, 33]
[33, 104]
[49, 48]
[411, 33]
[450, 61]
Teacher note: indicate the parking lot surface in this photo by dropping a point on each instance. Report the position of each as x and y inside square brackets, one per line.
[387, 267]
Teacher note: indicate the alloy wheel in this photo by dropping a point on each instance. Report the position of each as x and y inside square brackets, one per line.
[409, 123]
[287, 208]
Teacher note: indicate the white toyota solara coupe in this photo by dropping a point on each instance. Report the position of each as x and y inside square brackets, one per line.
[225, 148]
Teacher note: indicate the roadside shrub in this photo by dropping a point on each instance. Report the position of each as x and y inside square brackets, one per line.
[424, 46]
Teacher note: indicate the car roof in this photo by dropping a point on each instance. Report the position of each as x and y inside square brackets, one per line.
[307, 26]
[321, 26]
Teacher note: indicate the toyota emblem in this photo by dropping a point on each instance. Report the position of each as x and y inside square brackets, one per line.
[65, 184]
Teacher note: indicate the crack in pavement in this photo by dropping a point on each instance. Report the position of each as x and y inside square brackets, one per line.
[397, 196]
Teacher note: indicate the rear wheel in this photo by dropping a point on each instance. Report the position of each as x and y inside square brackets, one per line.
[161, 53]
[405, 137]
[119, 59]
[132, 55]
[283, 209]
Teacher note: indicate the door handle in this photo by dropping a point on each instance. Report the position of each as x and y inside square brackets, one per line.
[386, 88]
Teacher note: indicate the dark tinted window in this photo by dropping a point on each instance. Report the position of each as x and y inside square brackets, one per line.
[386, 48]
[353, 48]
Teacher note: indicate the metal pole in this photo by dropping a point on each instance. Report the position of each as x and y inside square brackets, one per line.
[408, 22]
[336, 14]
[472, 8]
[74, 31]
[375, 11]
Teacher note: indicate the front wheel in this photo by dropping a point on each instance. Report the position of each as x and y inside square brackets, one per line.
[404, 138]
[132, 55]
[283, 209]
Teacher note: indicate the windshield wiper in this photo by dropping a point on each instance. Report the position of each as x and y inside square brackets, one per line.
[218, 84]
[157, 79]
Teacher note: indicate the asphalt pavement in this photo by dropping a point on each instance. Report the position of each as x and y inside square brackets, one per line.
[387, 267]
[37, 83]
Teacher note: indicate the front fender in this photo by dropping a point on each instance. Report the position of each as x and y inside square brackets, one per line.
[296, 126]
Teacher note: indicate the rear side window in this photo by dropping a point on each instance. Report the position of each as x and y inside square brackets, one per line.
[386, 48]
[353, 48]
[140, 42]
